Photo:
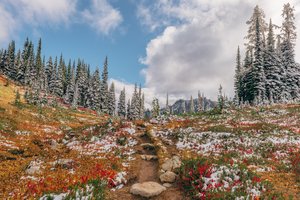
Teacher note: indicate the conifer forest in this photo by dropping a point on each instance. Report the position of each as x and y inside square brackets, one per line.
[71, 130]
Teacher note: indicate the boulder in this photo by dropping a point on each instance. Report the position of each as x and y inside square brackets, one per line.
[168, 177]
[34, 167]
[64, 163]
[171, 164]
[176, 162]
[147, 189]
[167, 185]
[167, 165]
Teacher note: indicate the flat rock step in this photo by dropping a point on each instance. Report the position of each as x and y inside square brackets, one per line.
[147, 189]
[148, 146]
[149, 157]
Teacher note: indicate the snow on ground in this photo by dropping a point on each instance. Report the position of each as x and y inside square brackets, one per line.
[215, 143]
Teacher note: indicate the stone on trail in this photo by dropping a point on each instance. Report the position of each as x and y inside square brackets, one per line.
[168, 177]
[171, 164]
[147, 189]
[167, 185]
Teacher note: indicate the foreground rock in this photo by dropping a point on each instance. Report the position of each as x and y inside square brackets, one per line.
[171, 164]
[64, 163]
[147, 189]
[168, 177]
[34, 167]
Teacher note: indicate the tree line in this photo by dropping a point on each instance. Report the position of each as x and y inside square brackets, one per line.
[269, 72]
[71, 83]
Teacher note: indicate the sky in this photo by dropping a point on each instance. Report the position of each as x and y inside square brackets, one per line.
[168, 46]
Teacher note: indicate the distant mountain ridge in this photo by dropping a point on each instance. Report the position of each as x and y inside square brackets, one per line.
[181, 106]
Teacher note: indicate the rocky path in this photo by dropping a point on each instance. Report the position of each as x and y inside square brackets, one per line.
[145, 180]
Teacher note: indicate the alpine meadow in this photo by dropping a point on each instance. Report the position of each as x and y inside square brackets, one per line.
[158, 100]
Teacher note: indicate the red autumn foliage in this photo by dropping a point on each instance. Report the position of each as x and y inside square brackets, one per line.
[63, 184]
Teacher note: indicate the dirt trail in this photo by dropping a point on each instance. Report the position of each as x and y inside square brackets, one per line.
[145, 171]
[148, 169]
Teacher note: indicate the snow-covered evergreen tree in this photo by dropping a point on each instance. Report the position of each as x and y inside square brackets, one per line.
[192, 106]
[128, 110]
[237, 78]
[167, 105]
[155, 108]
[221, 99]
[134, 107]
[31, 72]
[38, 59]
[75, 96]
[122, 104]
[200, 103]
[258, 14]
[70, 88]
[142, 107]
[258, 75]
[11, 70]
[272, 68]
[59, 84]
[104, 88]
[183, 107]
[288, 31]
[112, 100]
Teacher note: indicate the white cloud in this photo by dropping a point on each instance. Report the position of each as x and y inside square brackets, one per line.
[8, 25]
[197, 49]
[38, 12]
[42, 13]
[102, 16]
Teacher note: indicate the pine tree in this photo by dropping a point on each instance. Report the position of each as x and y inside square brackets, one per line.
[22, 65]
[134, 107]
[53, 70]
[142, 107]
[139, 101]
[104, 88]
[155, 108]
[18, 66]
[200, 103]
[258, 75]
[70, 88]
[38, 59]
[288, 31]
[167, 105]
[272, 68]
[43, 80]
[96, 84]
[112, 100]
[128, 112]
[89, 99]
[221, 100]
[122, 104]
[237, 79]
[10, 70]
[4, 62]
[83, 83]
[192, 106]
[258, 14]
[183, 107]
[75, 96]
[59, 84]
[31, 73]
